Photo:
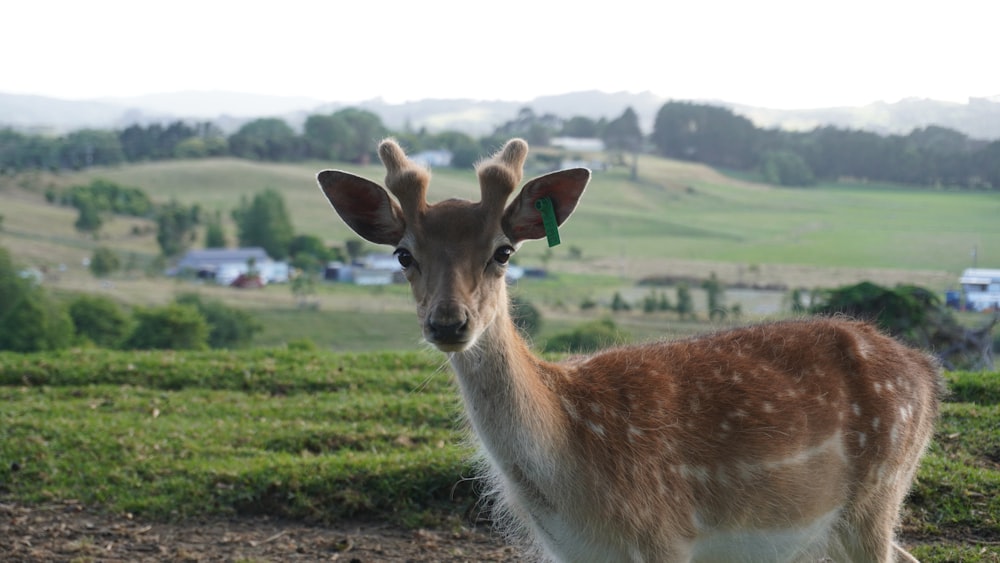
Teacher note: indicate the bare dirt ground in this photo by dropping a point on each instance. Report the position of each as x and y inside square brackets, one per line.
[70, 532]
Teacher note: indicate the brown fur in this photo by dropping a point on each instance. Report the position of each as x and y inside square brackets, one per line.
[789, 441]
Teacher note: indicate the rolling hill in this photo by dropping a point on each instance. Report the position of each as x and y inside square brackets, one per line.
[676, 216]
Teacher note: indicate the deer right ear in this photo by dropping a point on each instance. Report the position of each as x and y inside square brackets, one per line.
[364, 206]
[522, 221]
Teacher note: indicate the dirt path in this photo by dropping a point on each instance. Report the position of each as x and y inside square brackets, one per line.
[71, 533]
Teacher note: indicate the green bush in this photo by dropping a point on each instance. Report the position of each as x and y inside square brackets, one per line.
[99, 320]
[30, 320]
[228, 327]
[527, 317]
[786, 168]
[170, 327]
[587, 337]
[104, 262]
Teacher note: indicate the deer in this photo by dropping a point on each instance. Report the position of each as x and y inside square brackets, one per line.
[789, 440]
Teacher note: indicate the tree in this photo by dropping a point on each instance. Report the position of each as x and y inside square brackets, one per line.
[175, 227]
[618, 303]
[99, 320]
[328, 136]
[264, 222]
[685, 304]
[89, 220]
[785, 168]
[367, 127]
[170, 327]
[914, 315]
[703, 133]
[104, 262]
[30, 320]
[353, 247]
[347, 135]
[215, 236]
[580, 126]
[266, 139]
[537, 130]
[624, 135]
[715, 295]
[90, 147]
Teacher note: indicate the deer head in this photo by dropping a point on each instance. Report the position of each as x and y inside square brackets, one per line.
[454, 253]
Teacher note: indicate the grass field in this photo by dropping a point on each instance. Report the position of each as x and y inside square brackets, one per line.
[678, 211]
[325, 437]
[679, 219]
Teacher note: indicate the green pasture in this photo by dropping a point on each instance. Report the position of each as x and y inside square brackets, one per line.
[325, 437]
[675, 211]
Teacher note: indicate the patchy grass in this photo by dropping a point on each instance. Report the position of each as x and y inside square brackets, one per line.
[320, 436]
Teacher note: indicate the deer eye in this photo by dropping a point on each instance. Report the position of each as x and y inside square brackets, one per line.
[404, 257]
[502, 254]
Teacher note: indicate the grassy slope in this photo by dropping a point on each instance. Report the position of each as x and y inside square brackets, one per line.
[322, 437]
[678, 210]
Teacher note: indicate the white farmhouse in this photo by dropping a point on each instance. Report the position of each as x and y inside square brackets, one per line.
[981, 289]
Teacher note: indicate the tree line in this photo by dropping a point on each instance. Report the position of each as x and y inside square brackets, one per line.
[929, 156]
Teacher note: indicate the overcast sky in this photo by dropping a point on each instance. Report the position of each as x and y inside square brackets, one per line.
[780, 54]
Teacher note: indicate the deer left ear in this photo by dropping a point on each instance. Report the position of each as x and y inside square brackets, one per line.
[522, 221]
[364, 206]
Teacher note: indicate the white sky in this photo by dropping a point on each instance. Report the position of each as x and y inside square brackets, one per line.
[773, 53]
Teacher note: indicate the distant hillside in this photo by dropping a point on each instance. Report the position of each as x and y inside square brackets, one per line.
[979, 118]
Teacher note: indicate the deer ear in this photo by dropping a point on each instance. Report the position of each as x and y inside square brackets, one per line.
[364, 206]
[522, 221]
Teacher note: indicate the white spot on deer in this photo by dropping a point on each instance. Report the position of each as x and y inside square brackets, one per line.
[875, 423]
[569, 408]
[632, 433]
[596, 428]
[856, 409]
[725, 426]
[862, 438]
[767, 407]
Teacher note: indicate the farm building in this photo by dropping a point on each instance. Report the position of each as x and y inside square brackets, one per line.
[225, 265]
[981, 289]
[384, 269]
[373, 269]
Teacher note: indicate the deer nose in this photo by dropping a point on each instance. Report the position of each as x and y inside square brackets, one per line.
[448, 325]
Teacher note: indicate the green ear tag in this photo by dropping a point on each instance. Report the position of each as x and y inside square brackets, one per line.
[548, 220]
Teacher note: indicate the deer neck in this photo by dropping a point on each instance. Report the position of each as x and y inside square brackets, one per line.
[509, 399]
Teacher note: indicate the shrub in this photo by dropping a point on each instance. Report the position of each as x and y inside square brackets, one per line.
[786, 168]
[527, 317]
[915, 315]
[99, 320]
[170, 327]
[30, 321]
[104, 262]
[587, 337]
[228, 327]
